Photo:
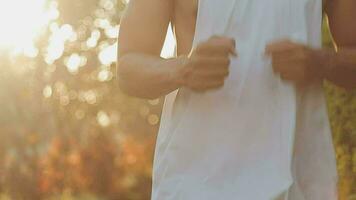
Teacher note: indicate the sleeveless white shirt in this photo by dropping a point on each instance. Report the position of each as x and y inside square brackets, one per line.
[258, 137]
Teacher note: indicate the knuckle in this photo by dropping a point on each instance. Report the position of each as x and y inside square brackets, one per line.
[221, 84]
[284, 76]
[199, 47]
[214, 37]
[233, 42]
[225, 61]
[202, 45]
[228, 62]
[227, 69]
[229, 42]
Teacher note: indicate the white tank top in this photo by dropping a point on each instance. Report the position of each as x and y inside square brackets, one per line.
[258, 137]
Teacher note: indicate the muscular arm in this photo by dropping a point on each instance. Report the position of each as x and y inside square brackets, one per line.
[341, 65]
[302, 64]
[141, 71]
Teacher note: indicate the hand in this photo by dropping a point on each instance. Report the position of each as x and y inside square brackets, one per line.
[207, 66]
[294, 62]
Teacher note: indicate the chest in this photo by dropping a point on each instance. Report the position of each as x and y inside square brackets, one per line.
[245, 16]
[189, 8]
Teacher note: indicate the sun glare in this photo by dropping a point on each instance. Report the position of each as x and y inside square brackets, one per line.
[21, 21]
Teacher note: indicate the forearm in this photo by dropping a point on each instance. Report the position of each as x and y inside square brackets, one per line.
[339, 66]
[148, 76]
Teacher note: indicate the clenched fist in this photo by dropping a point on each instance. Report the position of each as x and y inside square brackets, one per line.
[207, 66]
[294, 62]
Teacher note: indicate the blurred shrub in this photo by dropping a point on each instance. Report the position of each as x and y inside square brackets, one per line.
[66, 130]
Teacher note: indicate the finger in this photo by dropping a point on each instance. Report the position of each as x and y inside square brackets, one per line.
[215, 84]
[198, 85]
[286, 77]
[201, 85]
[229, 41]
[203, 61]
[285, 56]
[222, 38]
[281, 73]
[214, 74]
[209, 85]
[275, 67]
[280, 46]
[289, 71]
[295, 77]
[212, 71]
[292, 55]
[217, 46]
[281, 67]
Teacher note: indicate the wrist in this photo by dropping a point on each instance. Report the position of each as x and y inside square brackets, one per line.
[178, 72]
[323, 63]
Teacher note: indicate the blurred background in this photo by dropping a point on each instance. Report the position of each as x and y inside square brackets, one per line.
[66, 130]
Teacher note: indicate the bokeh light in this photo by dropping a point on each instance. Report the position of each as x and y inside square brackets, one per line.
[67, 131]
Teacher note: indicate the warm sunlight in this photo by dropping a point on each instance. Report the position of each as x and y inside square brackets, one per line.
[21, 21]
[89, 110]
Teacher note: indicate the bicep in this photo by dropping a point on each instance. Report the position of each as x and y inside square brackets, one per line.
[342, 15]
[144, 25]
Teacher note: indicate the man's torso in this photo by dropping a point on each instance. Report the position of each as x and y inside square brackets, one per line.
[184, 20]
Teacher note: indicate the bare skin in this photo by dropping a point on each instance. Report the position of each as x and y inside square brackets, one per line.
[302, 64]
[143, 73]
[141, 70]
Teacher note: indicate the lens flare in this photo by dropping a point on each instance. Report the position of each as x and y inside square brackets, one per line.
[21, 21]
